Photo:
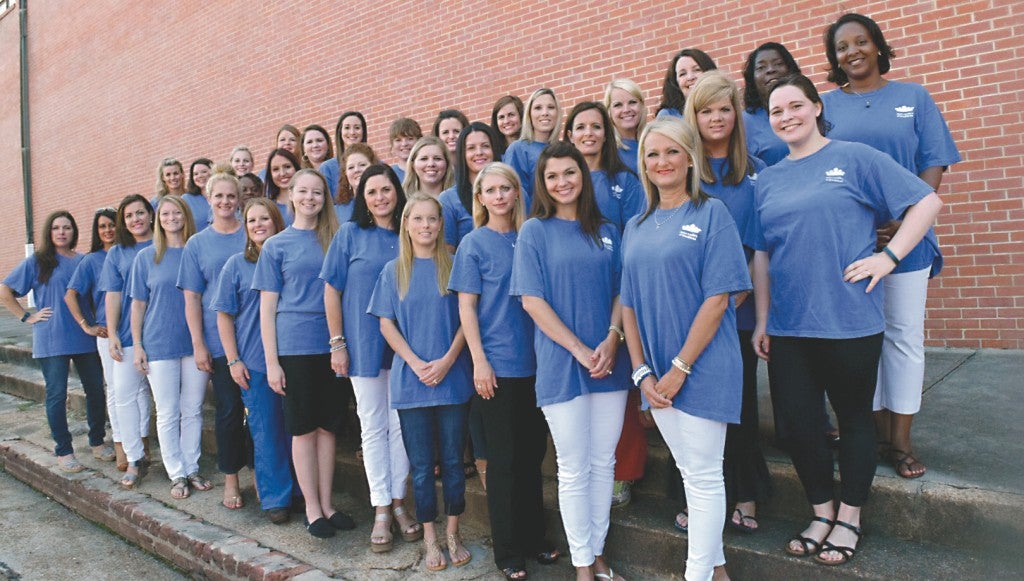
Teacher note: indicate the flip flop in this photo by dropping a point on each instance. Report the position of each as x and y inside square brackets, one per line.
[742, 526]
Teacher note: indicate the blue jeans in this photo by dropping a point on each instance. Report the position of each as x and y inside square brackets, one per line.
[272, 445]
[230, 414]
[55, 373]
[424, 430]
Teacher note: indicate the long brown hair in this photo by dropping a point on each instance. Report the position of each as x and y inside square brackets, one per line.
[587, 212]
[46, 255]
[252, 251]
[160, 237]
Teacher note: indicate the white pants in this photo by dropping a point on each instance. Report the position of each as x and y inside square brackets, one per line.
[585, 431]
[384, 457]
[697, 445]
[901, 367]
[178, 391]
[103, 348]
[132, 403]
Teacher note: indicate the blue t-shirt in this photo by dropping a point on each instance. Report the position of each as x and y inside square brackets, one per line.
[629, 153]
[762, 142]
[667, 274]
[739, 199]
[457, 220]
[483, 266]
[164, 332]
[200, 206]
[344, 211]
[235, 296]
[286, 213]
[800, 206]
[352, 266]
[523, 155]
[669, 112]
[116, 277]
[619, 198]
[289, 265]
[399, 171]
[85, 281]
[904, 122]
[330, 170]
[201, 265]
[554, 260]
[428, 321]
[61, 334]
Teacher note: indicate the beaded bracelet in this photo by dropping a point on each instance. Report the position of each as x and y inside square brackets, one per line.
[682, 365]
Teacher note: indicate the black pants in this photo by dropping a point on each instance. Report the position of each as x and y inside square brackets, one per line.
[516, 435]
[800, 371]
[232, 438]
[746, 473]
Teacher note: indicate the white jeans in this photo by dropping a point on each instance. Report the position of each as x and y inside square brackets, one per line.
[698, 445]
[901, 367]
[103, 348]
[178, 390]
[131, 400]
[585, 431]
[384, 457]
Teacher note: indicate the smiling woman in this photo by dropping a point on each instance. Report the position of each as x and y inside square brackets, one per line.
[765, 66]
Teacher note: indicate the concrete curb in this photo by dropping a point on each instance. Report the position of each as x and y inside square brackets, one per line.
[201, 549]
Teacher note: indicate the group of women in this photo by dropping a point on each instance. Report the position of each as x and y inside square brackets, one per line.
[463, 294]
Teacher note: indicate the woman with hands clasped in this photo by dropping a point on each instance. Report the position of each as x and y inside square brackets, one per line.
[682, 335]
[566, 269]
[817, 317]
[430, 379]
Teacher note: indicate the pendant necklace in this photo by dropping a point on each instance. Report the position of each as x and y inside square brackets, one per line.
[658, 225]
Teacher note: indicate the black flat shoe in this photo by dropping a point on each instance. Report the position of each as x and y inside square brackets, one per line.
[341, 521]
[515, 573]
[320, 528]
[549, 557]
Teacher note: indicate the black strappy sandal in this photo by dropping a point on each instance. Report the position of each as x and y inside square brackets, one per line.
[846, 552]
[810, 546]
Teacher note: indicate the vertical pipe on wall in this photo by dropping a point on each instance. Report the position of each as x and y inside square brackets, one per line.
[26, 157]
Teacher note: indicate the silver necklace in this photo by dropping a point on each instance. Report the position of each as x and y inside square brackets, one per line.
[867, 101]
[658, 225]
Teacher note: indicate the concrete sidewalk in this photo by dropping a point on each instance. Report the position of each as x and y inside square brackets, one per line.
[964, 518]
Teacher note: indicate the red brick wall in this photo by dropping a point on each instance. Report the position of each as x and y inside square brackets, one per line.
[117, 86]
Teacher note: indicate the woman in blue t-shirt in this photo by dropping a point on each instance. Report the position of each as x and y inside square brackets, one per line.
[201, 264]
[507, 121]
[729, 174]
[354, 161]
[541, 119]
[566, 269]
[296, 345]
[238, 323]
[281, 167]
[350, 129]
[85, 301]
[902, 120]
[58, 338]
[624, 101]
[241, 160]
[353, 263]
[476, 147]
[814, 270]
[195, 191]
[499, 333]
[430, 382]
[133, 232]
[448, 126]
[163, 348]
[619, 196]
[315, 148]
[765, 66]
[430, 168]
[682, 262]
[683, 71]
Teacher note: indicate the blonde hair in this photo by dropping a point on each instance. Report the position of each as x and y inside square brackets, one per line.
[160, 237]
[411, 185]
[252, 251]
[526, 133]
[480, 214]
[222, 172]
[326, 219]
[713, 86]
[161, 187]
[442, 259]
[687, 137]
[239, 149]
[633, 89]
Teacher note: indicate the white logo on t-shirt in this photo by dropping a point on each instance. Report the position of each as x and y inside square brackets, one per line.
[607, 243]
[904, 112]
[753, 177]
[689, 231]
[835, 175]
[616, 191]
